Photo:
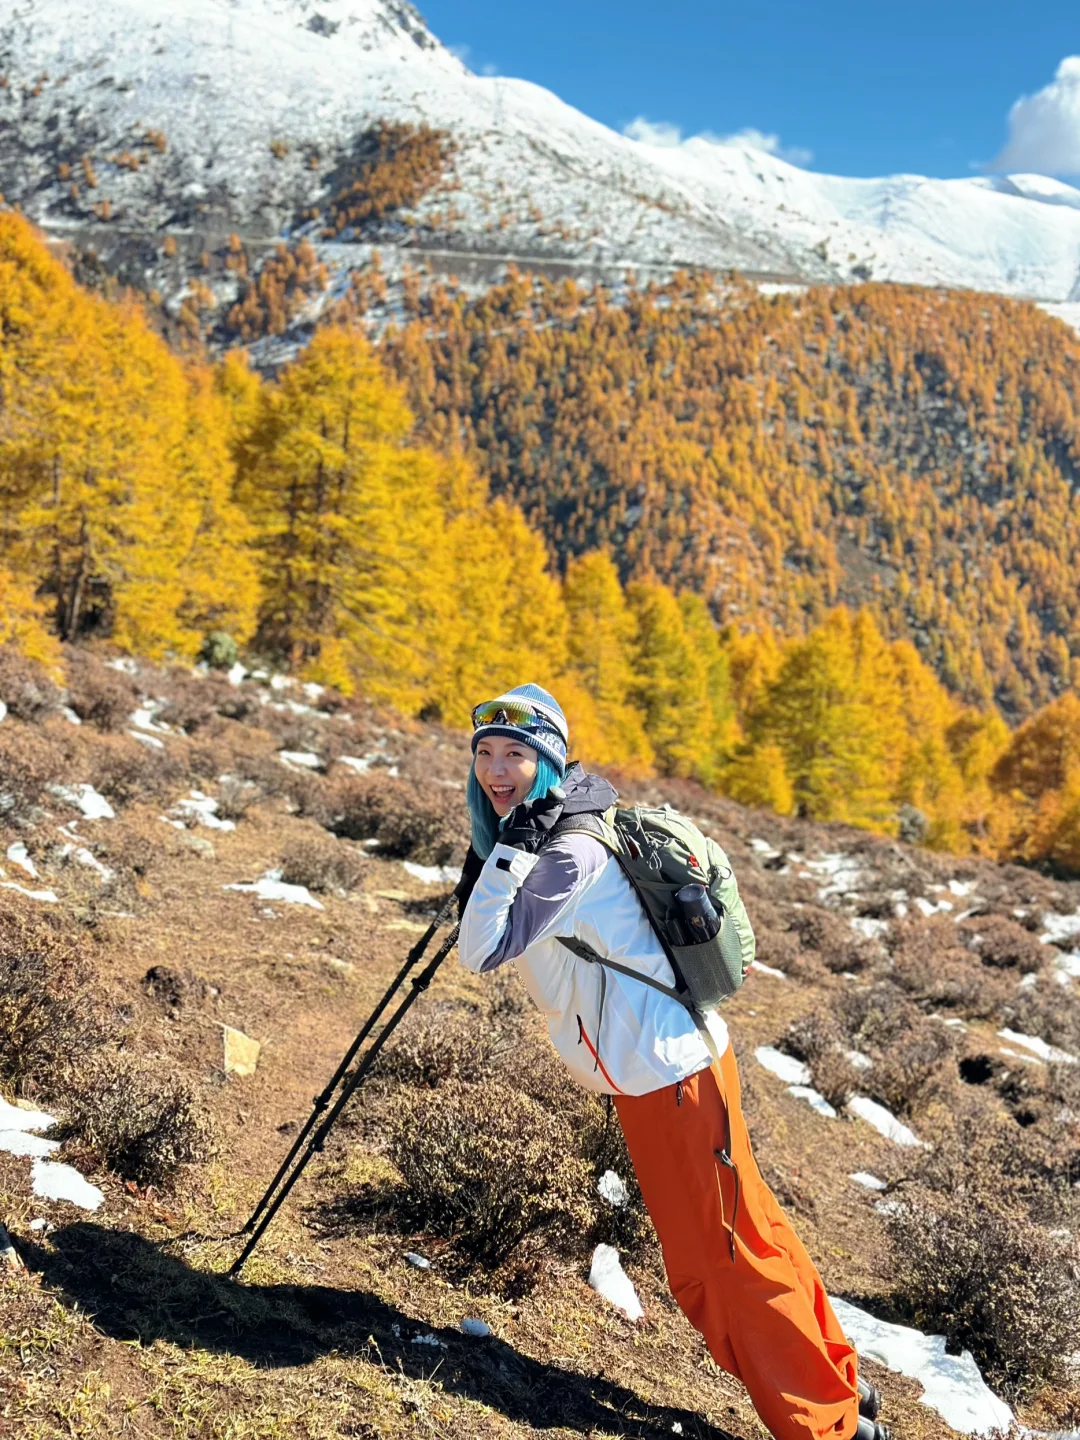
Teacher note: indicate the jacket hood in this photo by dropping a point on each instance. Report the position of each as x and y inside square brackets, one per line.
[587, 794]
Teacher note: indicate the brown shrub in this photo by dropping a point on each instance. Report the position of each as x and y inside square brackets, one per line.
[429, 827]
[447, 1042]
[142, 1124]
[952, 978]
[1001, 943]
[235, 798]
[321, 864]
[994, 1283]
[30, 762]
[99, 695]
[490, 1169]
[127, 772]
[832, 937]
[25, 687]
[193, 702]
[875, 1016]
[907, 1069]
[818, 1039]
[1048, 1010]
[778, 948]
[49, 1021]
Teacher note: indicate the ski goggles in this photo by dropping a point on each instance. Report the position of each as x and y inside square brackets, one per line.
[517, 713]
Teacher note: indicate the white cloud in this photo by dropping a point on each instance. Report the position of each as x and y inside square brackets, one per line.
[1044, 128]
[663, 133]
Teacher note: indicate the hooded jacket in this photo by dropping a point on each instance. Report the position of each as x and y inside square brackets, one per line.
[640, 1039]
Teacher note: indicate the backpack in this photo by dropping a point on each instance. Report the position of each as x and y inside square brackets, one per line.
[660, 851]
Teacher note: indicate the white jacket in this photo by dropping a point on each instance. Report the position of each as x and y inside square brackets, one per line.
[575, 887]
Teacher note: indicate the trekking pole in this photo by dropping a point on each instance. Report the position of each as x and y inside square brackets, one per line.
[322, 1101]
[268, 1207]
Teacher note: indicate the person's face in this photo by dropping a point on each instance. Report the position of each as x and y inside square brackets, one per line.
[506, 769]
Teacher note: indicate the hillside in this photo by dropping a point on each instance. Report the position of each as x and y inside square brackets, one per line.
[146, 135]
[935, 988]
[912, 451]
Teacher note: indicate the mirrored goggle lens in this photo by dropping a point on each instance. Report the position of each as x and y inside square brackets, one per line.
[501, 712]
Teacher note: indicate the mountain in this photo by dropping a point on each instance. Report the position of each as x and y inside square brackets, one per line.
[126, 124]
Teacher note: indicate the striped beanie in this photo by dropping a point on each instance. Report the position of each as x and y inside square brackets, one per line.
[549, 741]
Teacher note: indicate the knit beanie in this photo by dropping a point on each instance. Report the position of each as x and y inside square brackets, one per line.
[549, 740]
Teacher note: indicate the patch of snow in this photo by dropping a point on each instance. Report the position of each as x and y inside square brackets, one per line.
[868, 1181]
[883, 1121]
[609, 1279]
[763, 969]
[929, 908]
[1015, 1055]
[814, 1099]
[612, 1188]
[953, 1021]
[844, 873]
[300, 759]
[70, 716]
[859, 1060]
[14, 1117]
[39, 1224]
[762, 847]
[50, 1180]
[85, 798]
[433, 874]
[18, 854]
[476, 1328]
[961, 887]
[1068, 963]
[21, 1142]
[784, 1067]
[46, 897]
[143, 718]
[952, 1384]
[203, 809]
[124, 664]
[889, 1207]
[420, 1261]
[271, 887]
[235, 674]
[152, 742]
[868, 927]
[432, 1340]
[900, 909]
[1056, 927]
[1040, 1047]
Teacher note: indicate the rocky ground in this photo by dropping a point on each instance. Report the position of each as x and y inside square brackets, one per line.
[203, 860]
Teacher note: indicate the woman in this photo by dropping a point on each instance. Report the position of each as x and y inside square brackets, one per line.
[734, 1264]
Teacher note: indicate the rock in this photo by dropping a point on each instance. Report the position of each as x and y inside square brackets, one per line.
[9, 1256]
[197, 845]
[241, 1052]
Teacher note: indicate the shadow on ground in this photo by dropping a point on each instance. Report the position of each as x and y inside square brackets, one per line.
[135, 1290]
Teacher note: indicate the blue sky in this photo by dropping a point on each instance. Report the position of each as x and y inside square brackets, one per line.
[921, 87]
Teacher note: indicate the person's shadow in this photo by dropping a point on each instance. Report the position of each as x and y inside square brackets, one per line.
[136, 1290]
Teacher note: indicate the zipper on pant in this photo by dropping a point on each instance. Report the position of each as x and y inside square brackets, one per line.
[725, 1159]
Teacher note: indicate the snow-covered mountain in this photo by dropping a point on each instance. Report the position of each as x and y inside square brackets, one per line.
[208, 116]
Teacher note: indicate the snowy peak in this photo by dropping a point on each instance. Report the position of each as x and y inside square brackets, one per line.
[126, 124]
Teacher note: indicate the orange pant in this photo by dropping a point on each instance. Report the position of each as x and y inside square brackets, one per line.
[739, 1272]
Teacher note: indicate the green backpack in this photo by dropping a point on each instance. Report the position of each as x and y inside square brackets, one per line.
[659, 852]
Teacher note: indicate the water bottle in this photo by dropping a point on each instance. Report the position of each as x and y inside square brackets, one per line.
[699, 914]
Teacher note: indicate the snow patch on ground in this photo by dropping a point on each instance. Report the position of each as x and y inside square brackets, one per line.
[952, 1384]
[200, 808]
[814, 1099]
[1040, 1047]
[18, 854]
[764, 969]
[300, 759]
[86, 799]
[784, 1067]
[47, 897]
[869, 927]
[868, 1181]
[609, 1279]
[271, 887]
[883, 1121]
[433, 874]
[612, 1188]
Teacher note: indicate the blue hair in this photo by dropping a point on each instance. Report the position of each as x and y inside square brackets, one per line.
[485, 820]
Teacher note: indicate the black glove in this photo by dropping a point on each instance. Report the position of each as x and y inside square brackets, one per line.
[528, 826]
[470, 873]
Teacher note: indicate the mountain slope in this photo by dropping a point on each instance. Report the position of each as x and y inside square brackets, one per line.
[208, 117]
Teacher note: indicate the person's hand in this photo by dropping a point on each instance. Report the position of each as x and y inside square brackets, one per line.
[529, 825]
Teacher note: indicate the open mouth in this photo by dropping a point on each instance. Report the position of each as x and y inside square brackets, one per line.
[501, 792]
